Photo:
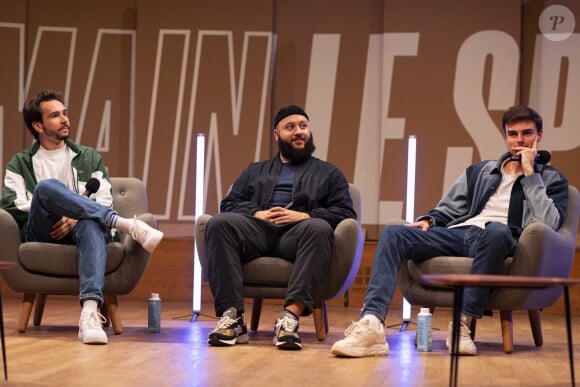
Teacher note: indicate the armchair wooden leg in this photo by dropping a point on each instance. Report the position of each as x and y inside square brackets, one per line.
[25, 310]
[256, 312]
[325, 316]
[318, 313]
[39, 308]
[536, 325]
[113, 309]
[507, 330]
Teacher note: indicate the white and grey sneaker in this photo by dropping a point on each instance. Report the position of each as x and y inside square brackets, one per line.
[91, 328]
[361, 340]
[145, 235]
[286, 332]
[230, 330]
[466, 345]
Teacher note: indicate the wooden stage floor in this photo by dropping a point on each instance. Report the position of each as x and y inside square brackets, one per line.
[51, 355]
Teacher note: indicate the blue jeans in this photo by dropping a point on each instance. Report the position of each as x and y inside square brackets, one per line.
[488, 247]
[51, 201]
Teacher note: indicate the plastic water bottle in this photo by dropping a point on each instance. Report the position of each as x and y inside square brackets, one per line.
[424, 330]
[154, 315]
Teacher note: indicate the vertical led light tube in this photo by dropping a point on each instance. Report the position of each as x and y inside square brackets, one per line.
[199, 208]
[410, 210]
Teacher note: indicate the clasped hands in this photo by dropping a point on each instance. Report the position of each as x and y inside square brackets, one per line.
[279, 215]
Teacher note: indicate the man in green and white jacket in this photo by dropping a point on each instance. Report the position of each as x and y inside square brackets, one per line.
[42, 191]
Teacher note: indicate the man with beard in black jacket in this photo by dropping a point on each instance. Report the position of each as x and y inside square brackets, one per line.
[259, 218]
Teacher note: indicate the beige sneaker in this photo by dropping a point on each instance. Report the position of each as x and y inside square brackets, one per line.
[91, 329]
[361, 340]
[145, 235]
[466, 345]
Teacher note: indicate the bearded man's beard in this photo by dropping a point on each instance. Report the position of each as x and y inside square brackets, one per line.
[63, 136]
[57, 135]
[296, 155]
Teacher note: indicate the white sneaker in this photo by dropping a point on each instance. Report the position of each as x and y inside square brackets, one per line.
[361, 340]
[91, 329]
[145, 235]
[466, 345]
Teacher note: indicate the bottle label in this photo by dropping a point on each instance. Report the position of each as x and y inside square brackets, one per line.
[424, 333]
[154, 316]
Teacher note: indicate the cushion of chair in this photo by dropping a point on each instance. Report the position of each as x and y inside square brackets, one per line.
[62, 260]
[268, 271]
[446, 265]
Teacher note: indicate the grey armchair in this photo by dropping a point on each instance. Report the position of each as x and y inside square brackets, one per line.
[267, 277]
[541, 252]
[45, 268]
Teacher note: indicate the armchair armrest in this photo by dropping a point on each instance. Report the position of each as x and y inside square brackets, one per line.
[346, 257]
[9, 237]
[542, 251]
[133, 267]
[199, 231]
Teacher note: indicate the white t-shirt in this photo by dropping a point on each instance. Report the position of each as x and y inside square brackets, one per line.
[54, 164]
[496, 208]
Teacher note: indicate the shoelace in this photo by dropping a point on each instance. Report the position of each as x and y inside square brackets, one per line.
[355, 329]
[464, 330]
[225, 322]
[137, 233]
[94, 320]
[289, 324]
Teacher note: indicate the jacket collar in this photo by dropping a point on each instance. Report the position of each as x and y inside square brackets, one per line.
[70, 143]
[500, 161]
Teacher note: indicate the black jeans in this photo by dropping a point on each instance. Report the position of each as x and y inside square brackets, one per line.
[234, 239]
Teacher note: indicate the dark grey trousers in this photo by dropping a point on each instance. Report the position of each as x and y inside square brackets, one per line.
[233, 239]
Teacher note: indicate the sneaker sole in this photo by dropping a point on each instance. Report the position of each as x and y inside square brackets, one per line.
[464, 352]
[375, 350]
[152, 242]
[288, 345]
[217, 342]
[93, 340]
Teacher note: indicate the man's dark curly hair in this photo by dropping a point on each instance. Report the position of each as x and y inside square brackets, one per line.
[32, 112]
